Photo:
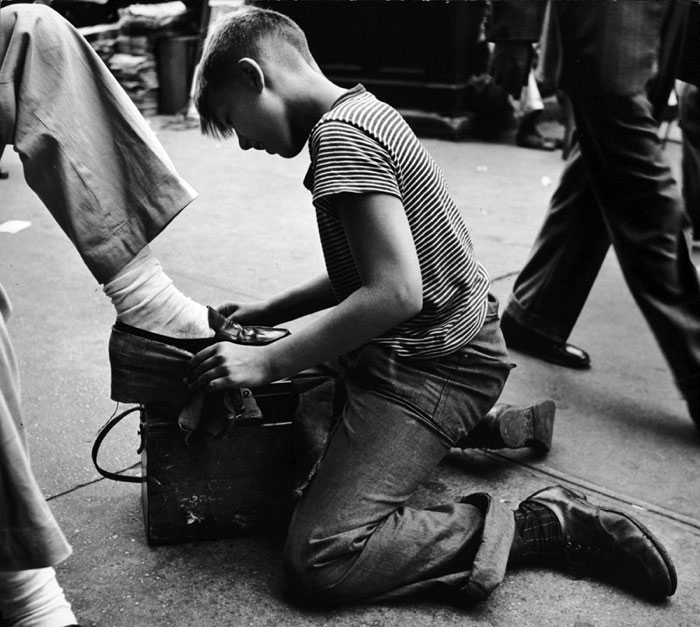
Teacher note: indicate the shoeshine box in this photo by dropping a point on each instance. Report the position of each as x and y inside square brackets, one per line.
[239, 482]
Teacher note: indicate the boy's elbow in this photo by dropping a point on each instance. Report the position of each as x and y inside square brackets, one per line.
[409, 300]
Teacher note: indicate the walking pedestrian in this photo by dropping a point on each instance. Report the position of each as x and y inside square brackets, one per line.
[515, 27]
[616, 63]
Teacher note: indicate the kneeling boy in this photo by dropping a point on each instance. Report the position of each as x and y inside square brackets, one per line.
[415, 333]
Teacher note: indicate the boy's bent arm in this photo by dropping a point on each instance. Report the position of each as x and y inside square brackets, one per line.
[380, 239]
[381, 242]
[295, 302]
[301, 300]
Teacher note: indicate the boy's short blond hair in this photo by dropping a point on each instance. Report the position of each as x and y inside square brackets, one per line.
[232, 38]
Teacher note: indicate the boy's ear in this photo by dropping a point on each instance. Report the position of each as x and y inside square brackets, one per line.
[252, 73]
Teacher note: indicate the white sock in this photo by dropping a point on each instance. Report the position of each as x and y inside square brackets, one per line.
[145, 297]
[33, 598]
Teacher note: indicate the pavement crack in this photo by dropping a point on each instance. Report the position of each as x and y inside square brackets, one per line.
[88, 483]
[692, 523]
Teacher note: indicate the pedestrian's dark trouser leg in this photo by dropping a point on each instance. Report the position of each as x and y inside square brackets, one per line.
[689, 121]
[3, 172]
[552, 288]
[646, 222]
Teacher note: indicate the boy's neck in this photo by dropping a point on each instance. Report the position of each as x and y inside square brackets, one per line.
[315, 97]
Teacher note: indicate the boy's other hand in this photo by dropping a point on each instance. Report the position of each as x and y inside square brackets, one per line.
[226, 365]
[245, 313]
[227, 309]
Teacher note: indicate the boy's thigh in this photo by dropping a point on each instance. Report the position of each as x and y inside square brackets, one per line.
[377, 456]
[399, 421]
[450, 394]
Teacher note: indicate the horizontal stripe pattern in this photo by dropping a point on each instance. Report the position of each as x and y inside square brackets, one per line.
[363, 145]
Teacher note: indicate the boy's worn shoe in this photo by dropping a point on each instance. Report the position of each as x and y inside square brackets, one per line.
[608, 544]
[513, 427]
[530, 426]
[148, 368]
[529, 342]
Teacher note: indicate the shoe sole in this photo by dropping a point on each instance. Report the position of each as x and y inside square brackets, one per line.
[543, 425]
[532, 429]
[660, 549]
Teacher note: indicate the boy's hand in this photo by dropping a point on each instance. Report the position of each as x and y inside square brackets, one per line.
[226, 365]
[245, 313]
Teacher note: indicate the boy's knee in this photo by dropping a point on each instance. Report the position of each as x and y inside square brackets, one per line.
[302, 568]
[315, 571]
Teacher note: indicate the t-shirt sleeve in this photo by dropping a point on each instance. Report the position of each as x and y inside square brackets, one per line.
[347, 160]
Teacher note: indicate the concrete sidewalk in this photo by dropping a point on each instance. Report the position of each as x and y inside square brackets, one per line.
[622, 431]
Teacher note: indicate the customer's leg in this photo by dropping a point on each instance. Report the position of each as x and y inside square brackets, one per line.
[29, 535]
[86, 150]
[94, 162]
[33, 598]
[646, 222]
[30, 539]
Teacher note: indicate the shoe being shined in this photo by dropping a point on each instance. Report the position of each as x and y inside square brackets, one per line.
[609, 545]
[149, 368]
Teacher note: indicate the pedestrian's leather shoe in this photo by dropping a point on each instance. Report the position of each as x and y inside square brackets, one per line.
[531, 343]
[148, 368]
[609, 545]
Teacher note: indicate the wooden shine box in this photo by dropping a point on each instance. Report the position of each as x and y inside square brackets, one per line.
[217, 487]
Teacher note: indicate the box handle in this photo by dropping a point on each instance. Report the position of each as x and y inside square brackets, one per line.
[106, 428]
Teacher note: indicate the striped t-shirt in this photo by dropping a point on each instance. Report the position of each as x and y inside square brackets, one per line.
[363, 145]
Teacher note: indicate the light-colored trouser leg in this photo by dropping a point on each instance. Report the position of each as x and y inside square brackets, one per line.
[86, 150]
[29, 535]
[33, 598]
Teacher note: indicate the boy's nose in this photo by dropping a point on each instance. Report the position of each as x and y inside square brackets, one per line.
[244, 142]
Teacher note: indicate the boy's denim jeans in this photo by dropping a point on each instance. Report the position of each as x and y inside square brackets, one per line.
[352, 538]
